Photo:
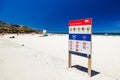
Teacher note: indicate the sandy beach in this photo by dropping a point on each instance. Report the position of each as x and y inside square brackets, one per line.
[31, 57]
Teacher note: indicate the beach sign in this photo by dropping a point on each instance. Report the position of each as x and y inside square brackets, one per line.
[80, 37]
[80, 32]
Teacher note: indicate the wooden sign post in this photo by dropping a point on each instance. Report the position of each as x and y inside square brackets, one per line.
[80, 40]
[70, 59]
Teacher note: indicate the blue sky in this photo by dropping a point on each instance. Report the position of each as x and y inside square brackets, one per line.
[54, 15]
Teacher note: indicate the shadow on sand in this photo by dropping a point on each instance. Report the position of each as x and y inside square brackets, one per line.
[84, 69]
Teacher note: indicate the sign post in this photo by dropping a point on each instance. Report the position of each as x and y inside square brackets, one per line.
[80, 43]
[70, 56]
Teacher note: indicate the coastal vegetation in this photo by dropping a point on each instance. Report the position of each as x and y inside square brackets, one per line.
[15, 28]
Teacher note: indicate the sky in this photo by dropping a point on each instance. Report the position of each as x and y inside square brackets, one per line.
[53, 15]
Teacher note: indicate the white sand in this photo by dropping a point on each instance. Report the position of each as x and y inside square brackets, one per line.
[45, 58]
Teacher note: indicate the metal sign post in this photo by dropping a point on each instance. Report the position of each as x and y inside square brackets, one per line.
[80, 41]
